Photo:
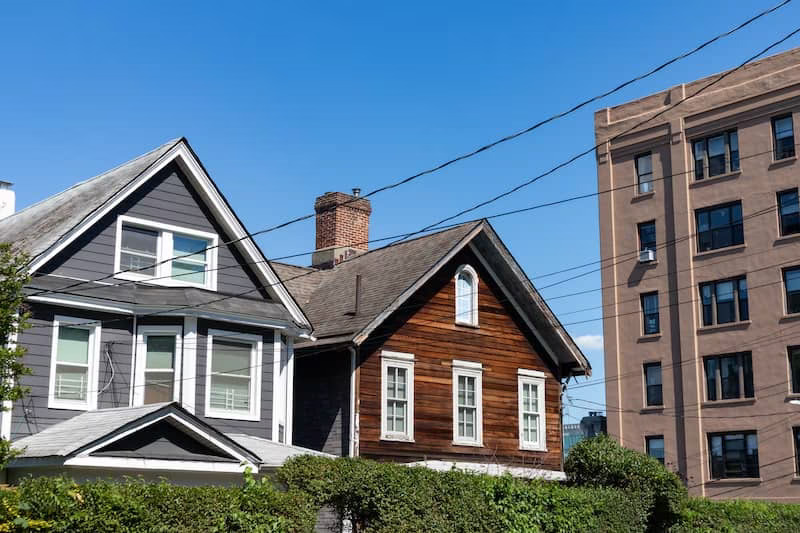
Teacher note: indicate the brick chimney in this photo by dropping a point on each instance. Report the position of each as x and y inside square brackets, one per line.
[342, 227]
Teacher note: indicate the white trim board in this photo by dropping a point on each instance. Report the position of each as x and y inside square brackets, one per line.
[182, 154]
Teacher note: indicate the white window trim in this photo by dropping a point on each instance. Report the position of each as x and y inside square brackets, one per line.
[473, 299]
[164, 251]
[256, 353]
[533, 377]
[141, 361]
[469, 369]
[93, 370]
[406, 362]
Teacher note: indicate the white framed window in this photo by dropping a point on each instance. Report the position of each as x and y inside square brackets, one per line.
[467, 403]
[466, 296]
[397, 396]
[530, 398]
[73, 364]
[143, 250]
[158, 364]
[233, 375]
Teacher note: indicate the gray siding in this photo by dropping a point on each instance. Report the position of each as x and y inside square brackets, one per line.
[262, 428]
[322, 402]
[167, 198]
[32, 415]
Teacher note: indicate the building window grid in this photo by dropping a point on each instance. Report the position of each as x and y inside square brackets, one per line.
[783, 137]
[654, 445]
[724, 301]
[397, 396]
[467, 403]
[654, 394]
[644, 173]
[650, 315]
[791, 283]
[794, 368]
[719, 226]
[733, 454]
[647, 235]
[789, 212]
[531, 400]
[716, 155]
[729, 376]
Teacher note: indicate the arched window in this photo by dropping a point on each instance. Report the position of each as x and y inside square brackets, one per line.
[466, 296]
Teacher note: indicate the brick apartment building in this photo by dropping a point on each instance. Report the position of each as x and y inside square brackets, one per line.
[702, 296]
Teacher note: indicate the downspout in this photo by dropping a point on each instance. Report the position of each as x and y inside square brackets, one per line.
[353, 426]
[133, 360]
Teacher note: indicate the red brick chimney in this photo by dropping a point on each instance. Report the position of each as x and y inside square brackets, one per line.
[342, 227]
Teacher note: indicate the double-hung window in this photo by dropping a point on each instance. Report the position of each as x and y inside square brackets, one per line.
[467, 403]
[796, 435]
[734, 454]
[644, 173]
[650, 317]
[789, 212]
[791, 282]
[530, 397]
[794, 368]
[783, 137]
[729, 376]
[158, 362]
[164, 254]
[652, 382]
[74, 364]
[716, 155]
[397, 396]
[233, 375]
[466, 296]
[719, 226]
[724, 301]
[647, 236]
[655, 447]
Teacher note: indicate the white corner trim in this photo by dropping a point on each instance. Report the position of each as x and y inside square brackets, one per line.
[473, 297]
[189, 367]
[256, 353]
[80, 304]
[531, 373]
[289, 429]
[276, 373]
[144, 331]
[351, 450]
[405, 363]
[398, 356]
[8, 405]
[92, 370]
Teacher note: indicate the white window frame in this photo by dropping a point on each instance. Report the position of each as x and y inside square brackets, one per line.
[473, 319]
[143, 332]
[473, 370]
[532, 377]
[403, 361]
[92, 374]
[164, 251]
[256, 353]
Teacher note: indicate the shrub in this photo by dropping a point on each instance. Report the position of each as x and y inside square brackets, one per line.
[708, 516]
[601, 462]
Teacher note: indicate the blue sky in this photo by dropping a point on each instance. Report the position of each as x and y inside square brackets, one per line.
[284, 101]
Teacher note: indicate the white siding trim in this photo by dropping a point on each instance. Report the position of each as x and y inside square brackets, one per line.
[474, 370]
[93, 370]
[189, 370]
[404, 361]
[276, 371]
[289, 390]
[256, 343]
[141, 362]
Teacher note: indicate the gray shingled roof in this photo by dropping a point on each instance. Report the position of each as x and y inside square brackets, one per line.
[272, 454]
[36, 228]
[300, 281]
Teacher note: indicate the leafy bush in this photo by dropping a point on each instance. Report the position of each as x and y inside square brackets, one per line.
[383, 497]
[737, 516]
[601, 462]
[59, 504]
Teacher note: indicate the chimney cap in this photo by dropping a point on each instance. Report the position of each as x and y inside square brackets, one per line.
[5, 184]
[356, 191]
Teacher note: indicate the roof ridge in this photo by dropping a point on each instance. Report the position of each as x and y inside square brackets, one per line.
[97, 176]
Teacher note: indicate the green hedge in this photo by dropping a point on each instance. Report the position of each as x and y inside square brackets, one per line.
[602, 462]
[59, 504]
[384, 497]
[737, 516]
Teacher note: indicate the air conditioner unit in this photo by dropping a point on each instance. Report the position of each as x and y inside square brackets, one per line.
[646, 256]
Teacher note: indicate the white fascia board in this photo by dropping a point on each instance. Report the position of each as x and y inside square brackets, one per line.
[129, 463]
[378, 320]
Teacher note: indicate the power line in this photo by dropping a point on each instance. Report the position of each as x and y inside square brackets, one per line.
[493, 143]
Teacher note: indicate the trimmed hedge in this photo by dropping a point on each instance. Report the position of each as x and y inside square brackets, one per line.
[737, 516]
[384, 497]
[602, 462]
[59, 504]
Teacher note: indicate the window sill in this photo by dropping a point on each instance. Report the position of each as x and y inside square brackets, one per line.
[786, 161]
[232, 416]
[647, 264]
[469, 444]
[467, 325]
[786, 238]
[789, 318]
[720, 251]
[643, 196]
[715, 179]
[69, 407]
[649, 338]
[792, 396]
[392, 438]
[744, 324]
[532, 449]
[651, 409]
[795, 480]
[736, 481]
[160, 281]
[728, 403]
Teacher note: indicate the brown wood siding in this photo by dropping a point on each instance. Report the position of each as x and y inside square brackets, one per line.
[425, 327]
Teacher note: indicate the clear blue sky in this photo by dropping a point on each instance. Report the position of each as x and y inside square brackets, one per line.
[285, 100]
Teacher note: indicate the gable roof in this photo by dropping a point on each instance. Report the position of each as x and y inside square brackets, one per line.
[390, 275]
[47, 227]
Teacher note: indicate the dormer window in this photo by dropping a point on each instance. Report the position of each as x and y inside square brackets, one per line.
[144, 249]
[466, 296]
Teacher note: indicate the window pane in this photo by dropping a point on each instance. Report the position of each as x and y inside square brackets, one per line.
[71, 382]
[158, 387]
[725, 302]
[794, 364]
[744, 308]
[188, 245]
[644, 173]
[464, 289]
[530, 428]
[792, 280]
[73, 345]
[230, 357]
[733, 139]
[716, 155]
[653, 382]
[230, 393]
[711, 378]
[655, 448]
[729, 377]
[189, 272]
[699, 149]
[705, 297]
[789, 212]
[784, 137]
[747, 372]
[139, 240]
[647, 236]
[160, 351]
